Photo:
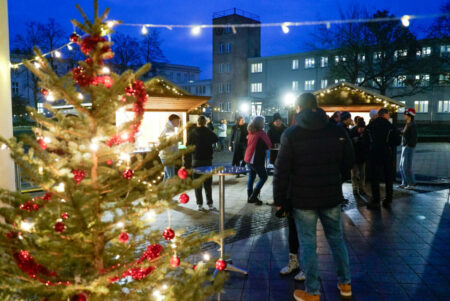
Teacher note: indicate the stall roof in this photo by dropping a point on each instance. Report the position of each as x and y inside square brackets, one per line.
[165, 95]
[346, 96]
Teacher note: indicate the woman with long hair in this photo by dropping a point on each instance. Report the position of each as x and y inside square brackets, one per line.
[255, 156]
[238, 141]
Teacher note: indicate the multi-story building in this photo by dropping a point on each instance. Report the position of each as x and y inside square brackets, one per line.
[199, 87]
[232, 46]
[179, 74]
[272, 79]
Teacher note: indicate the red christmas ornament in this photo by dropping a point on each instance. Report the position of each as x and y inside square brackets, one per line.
[44, 91]
[123, 237]
[128, 174]
[28, 265]
[221, 265]
[152, 252]
[175, 261]
[78, 175]
[60, 227]
[42, 143]
[74, 37]
[109, 162]
[65, 215]
[183, 173]
[81, 77]
[129, 90]
[105, 80]
[47, 196]
[138, 273]
[168, 234]
[79, 297]
[30, 206]
[114, 279]
[184, 198]
[194, 267]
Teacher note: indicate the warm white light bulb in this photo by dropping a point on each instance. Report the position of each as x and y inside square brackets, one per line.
[285, 28]
[196, 30]
[206, 257]
[47, 139]
[110, 24]
[69, 47]
[105, 70]
[60, 187]
[57, 54]
[144, 30]
[3, 147]
[124, 136]
[124, 157]
[94, 146]
[37, 65]
[50, 96]
[80, 96]
[405, 20]
[120, 225]
[26, 225]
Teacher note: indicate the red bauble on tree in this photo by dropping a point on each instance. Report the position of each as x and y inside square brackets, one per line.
[221, 265]
[183, 173]
[79, 297]
[60, 227]
[44, 91]
[81, 77]
[175, 261]
[78, 175]
[105, 80]
[42, 143]
[109, 162]
[128, 174]
[74, 37]
[184, 198]
[168, 234]
[65, 215]
[123, 237]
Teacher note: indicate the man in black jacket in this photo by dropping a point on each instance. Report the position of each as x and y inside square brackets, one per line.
[203, 139]
[313, 154]
[382, 138]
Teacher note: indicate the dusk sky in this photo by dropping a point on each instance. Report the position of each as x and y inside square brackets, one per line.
[182, 48]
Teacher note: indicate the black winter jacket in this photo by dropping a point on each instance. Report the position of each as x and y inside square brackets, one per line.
[410, 135]
[275, 133]
[382, 138]
[360, 146]
[313, 155]
[203, 139]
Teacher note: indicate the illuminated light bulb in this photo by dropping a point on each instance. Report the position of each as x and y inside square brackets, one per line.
[196, 30]
[63, 201]
[285, 27]
[40, 170]
[174, 246]
[94, 146]
[150, 215]
[26, 225]
[60, 187]
[80, 96]
[124, 157]
[57, 54]
[120, 225]
[405, 20]
[37, 65]
[47, 139]
[20, 236]
[124, 136]
[117, 257]
[105, 70]
[3, 147]
[206, 257]
[164, 287]
[110, 24]
[50, 97]
[69, 47]
[144, 30]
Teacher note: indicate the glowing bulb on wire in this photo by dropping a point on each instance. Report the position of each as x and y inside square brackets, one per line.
[50, 97]
[405, 20]
[26, 225]
[57, 54]
[285, 27]
[206, 257]
[196, 30]
[60, 187]
[144, 30]
[69, 47]
[105, 70]
[37, 65]
[110, 24]
[80, 96]
[94, 146]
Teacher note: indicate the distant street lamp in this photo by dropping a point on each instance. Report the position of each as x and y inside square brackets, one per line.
[244, 108]
[289, 99]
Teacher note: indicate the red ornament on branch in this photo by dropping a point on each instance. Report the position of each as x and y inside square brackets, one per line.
[175, 261]
[74, 37]
[128, 174]
[109, 162]
[65, 215]
[47, 196]
[60, 227]
[152, 252]
[42, 143]
[221, 265]
[183, 173]
[79, 297]
[44, 91]
[78, 175]
[81, 77]
[168, 234]
[105, 80]
[184, 198]
[123, 237]
[30, 206]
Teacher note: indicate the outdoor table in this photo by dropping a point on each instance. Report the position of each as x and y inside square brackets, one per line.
[225, 171]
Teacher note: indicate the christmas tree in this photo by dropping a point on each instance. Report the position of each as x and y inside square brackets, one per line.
[89, 236]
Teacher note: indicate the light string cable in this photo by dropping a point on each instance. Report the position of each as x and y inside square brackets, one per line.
[55, 52]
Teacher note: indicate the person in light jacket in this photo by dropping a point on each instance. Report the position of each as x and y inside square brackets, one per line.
[409, 141]
[222, 133]
[169, 130]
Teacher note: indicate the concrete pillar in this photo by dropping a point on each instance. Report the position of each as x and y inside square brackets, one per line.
[7, 178]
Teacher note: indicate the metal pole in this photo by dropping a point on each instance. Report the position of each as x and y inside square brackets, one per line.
[222, 212]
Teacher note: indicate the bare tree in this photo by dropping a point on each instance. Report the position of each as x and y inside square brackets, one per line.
[52, 36]
[126, 52]
[151, 47]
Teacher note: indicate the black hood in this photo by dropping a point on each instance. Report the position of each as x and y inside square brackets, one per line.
[312, 120]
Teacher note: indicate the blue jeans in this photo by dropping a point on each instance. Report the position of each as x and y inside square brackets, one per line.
[306, 223]
[222, 143]
[169, 170]
[406, 165]
[256, 169]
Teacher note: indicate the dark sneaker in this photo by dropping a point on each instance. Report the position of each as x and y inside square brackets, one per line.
[373, 205]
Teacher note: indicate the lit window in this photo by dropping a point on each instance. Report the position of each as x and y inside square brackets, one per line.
[40, 107]
[228, 29]
[339, 59]
[402, 109]
[309, 85]
[256, 68]
[423, 79]
[323, 83]
[377, 56]
[444, 106]
[228, 88]
[310, 63]
[444, 79]
[360, 80]
[324, 61]
[228, 48]
[341, 80]
[361, 58]
[295, 64]
[421, 106]
[400, 53]
[399, 81]
[256, 87]
[445, 50]
[295, 85]
[424, 52]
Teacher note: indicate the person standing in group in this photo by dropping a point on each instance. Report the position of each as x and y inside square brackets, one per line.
[238, 142]
[336, 117]
[276, 128]
[345, 122]
[255, 157]
[358, 171]
[382, 138]
[308, 178]
[169, 130]
[203, 139]
[409, 142]
[373, 114]
[209, 124]
[222, 133]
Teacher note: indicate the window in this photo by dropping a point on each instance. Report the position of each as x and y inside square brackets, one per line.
[323, 83]
[309, 85]
[445, 50]
[310, 63]
[400, 53]
[339, 59]
[228, 88]
[444, 79]
[228, 48]
[40, 107]
[294, 64]
[341, 80]
[399, 81]
[424, 52]
[228, 68]
[256, 87]
[220, 68]
[224, 68]
[360, 80]
[402, 109]
[444, 106]
[421, 106]
[377, 56]
[220, 88]
[15, 88]
[221, 48]
[256, 68]
[178, 77]
[361, 58]
[424, 79]
[295, 85]
[324, 61]
[228, 29]
[225, 106]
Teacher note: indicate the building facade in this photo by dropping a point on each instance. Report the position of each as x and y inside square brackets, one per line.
[199, 87]
[232, 46]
